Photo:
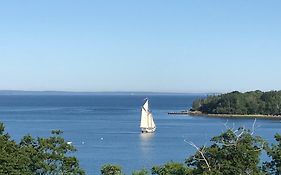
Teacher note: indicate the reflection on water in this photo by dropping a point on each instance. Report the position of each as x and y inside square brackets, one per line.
[145, 137]
[146, 142]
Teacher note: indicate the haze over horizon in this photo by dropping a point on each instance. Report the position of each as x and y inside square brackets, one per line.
[147, 46]
[106, 92]
[22, 92]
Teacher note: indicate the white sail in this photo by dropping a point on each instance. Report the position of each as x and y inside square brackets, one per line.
[151, 122]
[145, 105]
[147, 124]
[143, 123]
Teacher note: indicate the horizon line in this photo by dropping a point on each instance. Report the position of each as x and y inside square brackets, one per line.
[66, 91]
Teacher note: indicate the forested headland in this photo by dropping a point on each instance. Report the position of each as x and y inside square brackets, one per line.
[248, 103]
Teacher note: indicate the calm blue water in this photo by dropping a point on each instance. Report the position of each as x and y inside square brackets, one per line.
[105, 129]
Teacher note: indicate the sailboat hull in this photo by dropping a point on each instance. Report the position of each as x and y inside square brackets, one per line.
[148, 130]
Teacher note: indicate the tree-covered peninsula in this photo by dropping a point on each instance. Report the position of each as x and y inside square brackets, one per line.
[237, 103]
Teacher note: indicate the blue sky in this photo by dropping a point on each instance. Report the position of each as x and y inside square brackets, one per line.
[165, 46]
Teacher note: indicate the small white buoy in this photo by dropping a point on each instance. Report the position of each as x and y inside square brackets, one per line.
[101, 138]
[83, 143]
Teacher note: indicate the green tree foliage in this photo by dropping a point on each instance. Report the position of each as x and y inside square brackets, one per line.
[274, 166]
[37, 156]
[232, 152]
[110, 169]
[13, 160]
[48, 155]
[171, 168]
[254, 102]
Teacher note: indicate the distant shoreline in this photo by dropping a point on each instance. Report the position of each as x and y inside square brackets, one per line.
[246, 116]
[144, 93]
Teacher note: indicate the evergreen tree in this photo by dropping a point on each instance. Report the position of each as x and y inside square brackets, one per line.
[48, 155]
[274, 166]
[37, 156]
[13, 160]
[254, 102]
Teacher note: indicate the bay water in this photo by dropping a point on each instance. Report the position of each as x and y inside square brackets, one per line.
[105, 128]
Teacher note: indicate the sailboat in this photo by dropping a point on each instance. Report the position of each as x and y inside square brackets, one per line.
[147, 124]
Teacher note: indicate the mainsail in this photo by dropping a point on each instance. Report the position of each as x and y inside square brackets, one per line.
[147, 124]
